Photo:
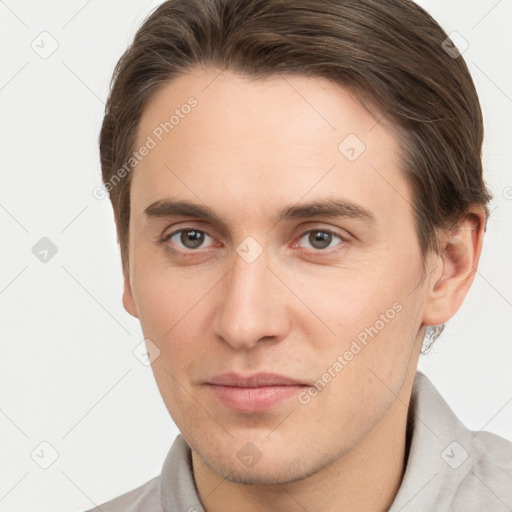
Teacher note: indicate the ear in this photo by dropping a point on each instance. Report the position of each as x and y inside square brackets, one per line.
[454, 268]
[128, 299]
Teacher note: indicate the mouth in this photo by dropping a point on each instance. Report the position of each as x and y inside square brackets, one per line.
[254, 393]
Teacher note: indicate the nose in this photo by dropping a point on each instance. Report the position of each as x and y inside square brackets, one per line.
[252, 308]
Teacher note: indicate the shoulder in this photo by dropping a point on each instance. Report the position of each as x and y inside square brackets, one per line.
[145, 497]
[173, 489]
[488, 484]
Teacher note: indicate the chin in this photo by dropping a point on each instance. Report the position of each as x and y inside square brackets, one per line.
[273, 468]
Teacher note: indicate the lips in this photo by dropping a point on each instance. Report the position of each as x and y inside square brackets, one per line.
[254, 381]
[254, 393]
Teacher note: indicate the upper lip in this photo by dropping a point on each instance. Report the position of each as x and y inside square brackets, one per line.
[256, 380]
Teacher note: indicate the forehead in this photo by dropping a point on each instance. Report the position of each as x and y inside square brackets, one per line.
[303, 109]
[256, 143]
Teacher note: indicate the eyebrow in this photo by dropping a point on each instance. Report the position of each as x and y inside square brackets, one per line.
[328, 207]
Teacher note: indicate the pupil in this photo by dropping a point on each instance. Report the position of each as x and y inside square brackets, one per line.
[320, 239]
[192, 239]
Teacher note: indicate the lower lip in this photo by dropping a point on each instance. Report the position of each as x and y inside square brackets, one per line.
[251, 400]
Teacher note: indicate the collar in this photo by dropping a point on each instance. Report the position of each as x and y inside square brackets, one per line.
[442, 452]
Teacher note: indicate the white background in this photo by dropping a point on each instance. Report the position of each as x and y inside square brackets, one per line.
[68, 374]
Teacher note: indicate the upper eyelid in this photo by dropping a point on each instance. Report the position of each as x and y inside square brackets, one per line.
[324, 230]
[190, 227]
[176, 231]
[315, 226]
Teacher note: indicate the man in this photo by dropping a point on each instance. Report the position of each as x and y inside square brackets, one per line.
[298, 194]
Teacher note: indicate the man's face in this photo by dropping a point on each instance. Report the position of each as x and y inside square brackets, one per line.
[267, 285]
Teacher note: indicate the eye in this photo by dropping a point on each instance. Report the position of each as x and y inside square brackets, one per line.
[188, 238]
[320, 239]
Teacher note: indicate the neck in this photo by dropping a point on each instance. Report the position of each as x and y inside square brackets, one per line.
[365, 479]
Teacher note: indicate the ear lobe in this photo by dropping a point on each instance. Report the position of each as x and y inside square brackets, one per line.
[458, 259]
[128, 299]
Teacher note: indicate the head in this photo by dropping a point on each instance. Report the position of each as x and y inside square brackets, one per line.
[322, 161]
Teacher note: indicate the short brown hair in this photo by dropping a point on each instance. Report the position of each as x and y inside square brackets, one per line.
[390, 53]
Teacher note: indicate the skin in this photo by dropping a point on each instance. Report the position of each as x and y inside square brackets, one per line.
[248, 150]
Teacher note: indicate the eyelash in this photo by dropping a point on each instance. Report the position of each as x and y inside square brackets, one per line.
[198, 252]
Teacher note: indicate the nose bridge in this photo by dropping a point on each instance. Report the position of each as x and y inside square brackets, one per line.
[249, 310]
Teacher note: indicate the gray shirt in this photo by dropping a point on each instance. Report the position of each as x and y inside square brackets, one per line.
[449, 468]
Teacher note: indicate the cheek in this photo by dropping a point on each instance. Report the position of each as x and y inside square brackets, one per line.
[170, 316]
[162, 295]
[367, 321]
[347, 301]
[171, 309]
